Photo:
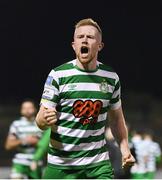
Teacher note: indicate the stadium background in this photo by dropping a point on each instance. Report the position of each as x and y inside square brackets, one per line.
[36, 36]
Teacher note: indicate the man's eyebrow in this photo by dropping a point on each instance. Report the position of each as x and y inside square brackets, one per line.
[77, 35]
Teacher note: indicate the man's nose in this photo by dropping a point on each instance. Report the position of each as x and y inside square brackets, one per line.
[85, 40]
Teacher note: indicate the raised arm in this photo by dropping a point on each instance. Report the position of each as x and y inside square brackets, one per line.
[12, 142]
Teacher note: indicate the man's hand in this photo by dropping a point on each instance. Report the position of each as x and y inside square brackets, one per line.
[127, 160]
[50, 116]
[46, 117]
[33, 165]
[31, 140]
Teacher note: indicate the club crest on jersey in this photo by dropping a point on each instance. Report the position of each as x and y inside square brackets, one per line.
[104, 86]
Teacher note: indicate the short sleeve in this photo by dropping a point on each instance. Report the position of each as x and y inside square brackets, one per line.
[51, 91]
[13, 130]
[115, 101]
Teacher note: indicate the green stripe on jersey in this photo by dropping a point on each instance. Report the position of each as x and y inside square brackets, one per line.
[106, 68]
[75, 140]
[55, 99]
[54, 83]
[69, 109]
[85, 79]
[117, 86]
[114, 100]
[77, 154]
[85, 94]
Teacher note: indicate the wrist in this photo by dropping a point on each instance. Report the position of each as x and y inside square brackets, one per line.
[42, 126]
[23, 142]
[124, 147]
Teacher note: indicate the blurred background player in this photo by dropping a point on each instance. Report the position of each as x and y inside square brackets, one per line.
[153, 155]
[138, 170]
[23, 137]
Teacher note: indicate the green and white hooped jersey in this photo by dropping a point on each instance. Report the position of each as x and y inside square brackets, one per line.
[82, 100]
[152, 151]
[21, 129]
[146, 153]
[140, 151]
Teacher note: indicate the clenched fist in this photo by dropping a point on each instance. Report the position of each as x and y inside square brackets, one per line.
[30, 140]
[46, 117]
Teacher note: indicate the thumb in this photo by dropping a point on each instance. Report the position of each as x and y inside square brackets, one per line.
[51, 109]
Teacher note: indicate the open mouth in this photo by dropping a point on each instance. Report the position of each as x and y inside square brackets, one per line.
[84, 50]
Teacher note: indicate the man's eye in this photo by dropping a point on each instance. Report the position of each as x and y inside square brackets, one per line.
[79, 37]
[91, 37]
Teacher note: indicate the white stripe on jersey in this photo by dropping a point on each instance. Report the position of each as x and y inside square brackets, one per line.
[84, 87]
[28, 129]
[80, 147]
[70, 117]
[24, 156]
[77, 161]
[47, 103]
[74, 72]
[26, 162]
[78, 132]
[70, 102]
[116, 105]
[53, 74]
[22, 161]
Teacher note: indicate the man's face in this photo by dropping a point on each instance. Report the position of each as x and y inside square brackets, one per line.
[87, 43]
[28, 110]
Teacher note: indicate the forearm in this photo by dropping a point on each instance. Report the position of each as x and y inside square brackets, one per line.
[119, 129]
[40, 120]
[12, 144]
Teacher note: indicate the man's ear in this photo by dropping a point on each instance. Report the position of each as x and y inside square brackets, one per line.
[72, 44]
[101, 45]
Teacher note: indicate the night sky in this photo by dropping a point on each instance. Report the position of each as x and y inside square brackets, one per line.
[36, 36]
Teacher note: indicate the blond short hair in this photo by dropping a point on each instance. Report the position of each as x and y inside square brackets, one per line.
[90, 22]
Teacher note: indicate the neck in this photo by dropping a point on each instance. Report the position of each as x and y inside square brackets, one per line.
[29, 118]
[92, 65]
